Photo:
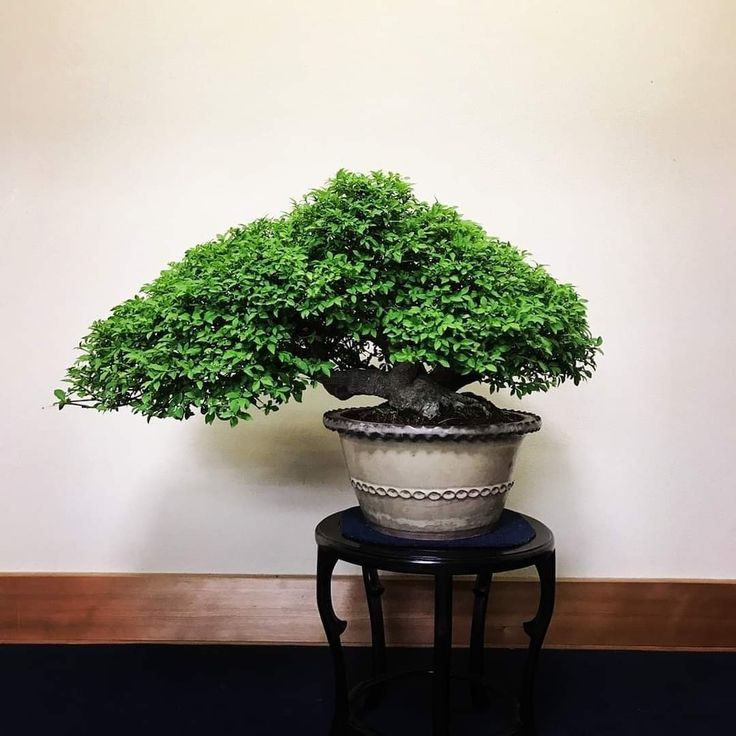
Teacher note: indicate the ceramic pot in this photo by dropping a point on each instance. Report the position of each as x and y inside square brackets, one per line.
[431, 482]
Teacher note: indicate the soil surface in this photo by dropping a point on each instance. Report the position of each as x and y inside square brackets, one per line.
[386, 414]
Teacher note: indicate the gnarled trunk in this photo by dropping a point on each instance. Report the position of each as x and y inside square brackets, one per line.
[407, 387]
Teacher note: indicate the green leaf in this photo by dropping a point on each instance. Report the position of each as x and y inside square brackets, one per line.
[359, 273]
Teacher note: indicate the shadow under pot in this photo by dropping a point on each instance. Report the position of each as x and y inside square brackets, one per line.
[431, 482]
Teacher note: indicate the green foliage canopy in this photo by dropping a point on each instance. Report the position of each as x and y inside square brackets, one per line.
[357, 273]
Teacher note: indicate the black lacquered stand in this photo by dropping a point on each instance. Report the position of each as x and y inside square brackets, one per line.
[443, 564]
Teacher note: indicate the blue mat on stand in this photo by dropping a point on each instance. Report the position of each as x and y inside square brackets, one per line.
[512, 530]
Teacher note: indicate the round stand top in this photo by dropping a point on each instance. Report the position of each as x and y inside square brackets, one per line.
[454, 560]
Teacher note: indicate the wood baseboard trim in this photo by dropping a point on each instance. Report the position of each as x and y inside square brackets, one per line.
[177, 608]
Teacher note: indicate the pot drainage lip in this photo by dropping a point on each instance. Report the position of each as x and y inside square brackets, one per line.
[524, 422]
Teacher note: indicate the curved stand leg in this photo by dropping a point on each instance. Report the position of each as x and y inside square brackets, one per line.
[537, 629]
[442, 654]
[477, 635]
[334, 627]
[374, 591]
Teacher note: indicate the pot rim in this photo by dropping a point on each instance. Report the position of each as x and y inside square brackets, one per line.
[524, 423]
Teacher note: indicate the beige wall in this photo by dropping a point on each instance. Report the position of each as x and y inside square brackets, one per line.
[598, 135]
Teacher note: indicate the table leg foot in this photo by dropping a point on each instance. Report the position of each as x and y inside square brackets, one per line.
[536, 630]
[334, 627]
[442, 655]
[374, 590]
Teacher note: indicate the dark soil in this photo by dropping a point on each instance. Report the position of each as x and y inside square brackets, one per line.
[386, 414]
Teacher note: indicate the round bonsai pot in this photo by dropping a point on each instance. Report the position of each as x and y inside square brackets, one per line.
[427, 482]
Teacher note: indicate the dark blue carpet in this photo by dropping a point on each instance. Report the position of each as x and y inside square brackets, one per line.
[254, 691]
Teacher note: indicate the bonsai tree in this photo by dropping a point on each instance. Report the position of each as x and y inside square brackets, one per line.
[359, 287]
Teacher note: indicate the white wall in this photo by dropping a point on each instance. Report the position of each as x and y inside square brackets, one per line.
[598, 135]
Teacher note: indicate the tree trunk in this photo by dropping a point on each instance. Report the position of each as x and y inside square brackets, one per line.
[408, 388]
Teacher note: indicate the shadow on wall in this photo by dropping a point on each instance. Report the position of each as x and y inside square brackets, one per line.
[292, 454]
[288, 449]
[222, 490]
[540, 455]
[542, 482]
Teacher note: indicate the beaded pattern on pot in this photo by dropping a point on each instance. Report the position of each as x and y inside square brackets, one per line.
[432, 494]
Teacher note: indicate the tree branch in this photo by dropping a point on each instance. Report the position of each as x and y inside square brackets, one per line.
[372, 381]
[358, 382]
[448, 378]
